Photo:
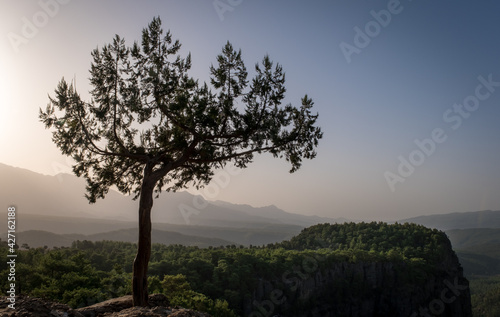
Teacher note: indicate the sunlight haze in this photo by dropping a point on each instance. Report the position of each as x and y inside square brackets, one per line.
[410, 113]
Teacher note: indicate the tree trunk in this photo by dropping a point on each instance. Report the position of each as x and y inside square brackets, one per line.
[141, 261]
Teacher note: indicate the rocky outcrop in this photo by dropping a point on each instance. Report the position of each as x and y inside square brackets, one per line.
[364, 289]
[26, 306]
[119, 307]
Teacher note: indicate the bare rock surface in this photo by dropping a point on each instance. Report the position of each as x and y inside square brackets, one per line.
[27, 306]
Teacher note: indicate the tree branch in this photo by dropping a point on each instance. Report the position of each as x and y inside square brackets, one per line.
[100, 151]
[227, 157]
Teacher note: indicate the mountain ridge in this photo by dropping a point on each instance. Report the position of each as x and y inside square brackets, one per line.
[63, 195]
[250, 235]
[459, 220]
[40, 238]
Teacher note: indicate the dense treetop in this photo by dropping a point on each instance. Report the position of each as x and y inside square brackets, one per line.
[410, 239]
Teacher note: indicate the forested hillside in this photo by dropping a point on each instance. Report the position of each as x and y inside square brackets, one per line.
[327, 269]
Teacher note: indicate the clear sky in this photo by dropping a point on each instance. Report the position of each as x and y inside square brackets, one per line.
[382, 74]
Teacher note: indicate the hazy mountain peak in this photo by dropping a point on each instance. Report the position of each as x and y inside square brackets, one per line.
[63, 195]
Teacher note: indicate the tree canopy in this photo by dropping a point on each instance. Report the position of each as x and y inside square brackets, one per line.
[149, 125]
[145, 108]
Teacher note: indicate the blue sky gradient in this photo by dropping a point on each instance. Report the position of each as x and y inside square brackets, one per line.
[395, 89]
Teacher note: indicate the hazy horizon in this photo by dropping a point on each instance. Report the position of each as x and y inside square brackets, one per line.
[408, 94]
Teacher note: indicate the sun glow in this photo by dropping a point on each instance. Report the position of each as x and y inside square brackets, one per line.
[12, 97]
[6, 91]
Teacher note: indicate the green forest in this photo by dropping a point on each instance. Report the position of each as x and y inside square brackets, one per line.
[219, 280]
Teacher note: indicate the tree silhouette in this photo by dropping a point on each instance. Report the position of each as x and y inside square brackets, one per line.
[150, 126]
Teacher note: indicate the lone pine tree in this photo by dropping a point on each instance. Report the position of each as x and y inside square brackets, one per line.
[150, 126]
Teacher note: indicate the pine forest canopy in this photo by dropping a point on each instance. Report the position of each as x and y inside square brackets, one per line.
[150, 126]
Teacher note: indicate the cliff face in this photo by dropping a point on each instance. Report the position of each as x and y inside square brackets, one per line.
[364, 289]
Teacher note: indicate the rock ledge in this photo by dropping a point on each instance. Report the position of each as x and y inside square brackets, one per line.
[27, 306]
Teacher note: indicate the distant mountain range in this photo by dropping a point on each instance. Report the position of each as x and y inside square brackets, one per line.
[459, 220]
[478, 249]
[53, 211]
[38, 238]
[69, 229]
[63, 195]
